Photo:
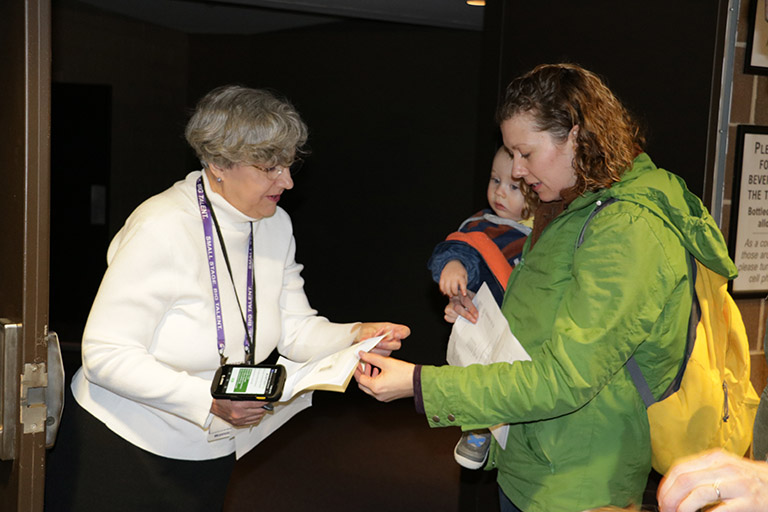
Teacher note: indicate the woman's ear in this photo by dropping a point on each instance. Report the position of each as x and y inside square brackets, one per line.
[215, 172]
[573, 134]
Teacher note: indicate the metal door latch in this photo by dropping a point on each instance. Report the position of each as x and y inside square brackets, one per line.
[34, 382]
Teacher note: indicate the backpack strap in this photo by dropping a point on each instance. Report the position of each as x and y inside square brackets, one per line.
[600, 206]
[693, 321]
[640, 383]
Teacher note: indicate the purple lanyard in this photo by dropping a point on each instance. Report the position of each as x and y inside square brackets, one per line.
[209, 219]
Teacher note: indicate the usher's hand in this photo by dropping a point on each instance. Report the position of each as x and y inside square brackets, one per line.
[394, 334]
[239, 413]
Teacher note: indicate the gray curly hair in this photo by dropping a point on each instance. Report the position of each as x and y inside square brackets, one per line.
[234, 124]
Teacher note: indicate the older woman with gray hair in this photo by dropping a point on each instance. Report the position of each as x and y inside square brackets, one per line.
[199, 274]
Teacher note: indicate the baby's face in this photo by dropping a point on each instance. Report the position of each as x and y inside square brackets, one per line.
[504, 193]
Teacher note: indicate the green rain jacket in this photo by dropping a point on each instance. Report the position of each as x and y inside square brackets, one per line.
[579, 434]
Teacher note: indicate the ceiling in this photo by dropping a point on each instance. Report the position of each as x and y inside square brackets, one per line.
[255, 16]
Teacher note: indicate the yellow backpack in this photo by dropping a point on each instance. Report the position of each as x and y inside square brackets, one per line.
[711, 402]
[715, 404]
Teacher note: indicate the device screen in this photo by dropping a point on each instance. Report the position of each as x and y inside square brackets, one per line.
[249, 380]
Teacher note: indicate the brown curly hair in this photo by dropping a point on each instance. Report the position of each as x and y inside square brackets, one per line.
[561, 96]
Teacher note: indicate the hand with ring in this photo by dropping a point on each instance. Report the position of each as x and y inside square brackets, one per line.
[713, 478]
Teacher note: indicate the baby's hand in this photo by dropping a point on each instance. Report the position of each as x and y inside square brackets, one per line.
[453, 279]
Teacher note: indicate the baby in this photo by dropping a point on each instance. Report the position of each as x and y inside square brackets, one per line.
[486, 248]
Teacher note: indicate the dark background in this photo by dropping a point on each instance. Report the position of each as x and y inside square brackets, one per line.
[401, 129]
[392, 115]
[402, 136]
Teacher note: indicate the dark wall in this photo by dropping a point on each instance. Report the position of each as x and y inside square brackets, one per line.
[400, 123]
[392, 117]
[80, 151]
[117, 111]
[145, 67]
[659, 57]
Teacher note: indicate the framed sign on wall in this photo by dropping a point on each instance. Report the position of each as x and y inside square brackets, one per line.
[756, 61]
[748, 234]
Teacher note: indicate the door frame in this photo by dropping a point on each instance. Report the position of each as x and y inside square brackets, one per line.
[25, 51]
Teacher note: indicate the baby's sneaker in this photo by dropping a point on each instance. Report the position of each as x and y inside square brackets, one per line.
[472, 449]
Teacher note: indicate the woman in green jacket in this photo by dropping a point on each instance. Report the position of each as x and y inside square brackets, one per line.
[578, 436]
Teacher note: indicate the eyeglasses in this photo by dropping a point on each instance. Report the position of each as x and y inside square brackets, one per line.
[275, 171]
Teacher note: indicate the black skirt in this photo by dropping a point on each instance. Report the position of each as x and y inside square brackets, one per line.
[92, 468]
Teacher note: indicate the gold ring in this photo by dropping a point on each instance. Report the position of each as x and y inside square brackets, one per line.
[716, 485]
